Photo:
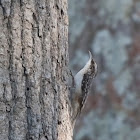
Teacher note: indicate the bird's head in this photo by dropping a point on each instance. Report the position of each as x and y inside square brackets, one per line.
[91, 67]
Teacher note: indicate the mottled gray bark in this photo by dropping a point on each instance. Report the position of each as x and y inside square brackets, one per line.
[33, 70]
[111, 30]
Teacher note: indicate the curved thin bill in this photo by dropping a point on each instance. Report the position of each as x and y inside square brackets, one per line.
[90, 55]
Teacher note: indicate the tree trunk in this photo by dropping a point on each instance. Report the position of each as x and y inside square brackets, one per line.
[34, 102]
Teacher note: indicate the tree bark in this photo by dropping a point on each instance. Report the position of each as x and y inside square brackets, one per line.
[34, 102]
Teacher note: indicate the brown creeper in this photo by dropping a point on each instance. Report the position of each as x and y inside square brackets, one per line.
[82, 82]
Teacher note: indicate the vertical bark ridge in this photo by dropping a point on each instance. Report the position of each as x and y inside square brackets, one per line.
[12, 75]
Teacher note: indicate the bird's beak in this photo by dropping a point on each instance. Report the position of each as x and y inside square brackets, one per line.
[90, 55]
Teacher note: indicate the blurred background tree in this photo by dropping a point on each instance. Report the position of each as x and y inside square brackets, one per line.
[111, 30]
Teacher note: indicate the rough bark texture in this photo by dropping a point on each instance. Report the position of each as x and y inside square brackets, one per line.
[33, 70]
